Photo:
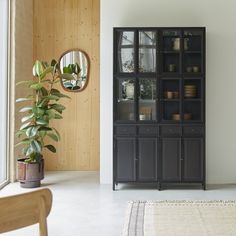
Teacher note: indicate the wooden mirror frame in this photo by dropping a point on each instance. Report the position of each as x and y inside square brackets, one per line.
[88, 69]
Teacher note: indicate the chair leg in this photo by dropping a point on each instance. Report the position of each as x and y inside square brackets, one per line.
[43, 231]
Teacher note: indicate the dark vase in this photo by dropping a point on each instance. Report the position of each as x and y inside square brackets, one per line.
[30, 174]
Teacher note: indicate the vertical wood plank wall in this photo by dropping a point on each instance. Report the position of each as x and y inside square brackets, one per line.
[59, 25]
[21, 67]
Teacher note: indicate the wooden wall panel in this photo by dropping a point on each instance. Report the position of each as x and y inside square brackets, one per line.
[60, 25]
[21, 68]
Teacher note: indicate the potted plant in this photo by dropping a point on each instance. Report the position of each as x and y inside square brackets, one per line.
[35, 132]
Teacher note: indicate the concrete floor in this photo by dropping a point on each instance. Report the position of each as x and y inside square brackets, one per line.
[83, 207]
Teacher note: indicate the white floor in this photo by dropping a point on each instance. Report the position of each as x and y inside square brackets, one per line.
[83, 207]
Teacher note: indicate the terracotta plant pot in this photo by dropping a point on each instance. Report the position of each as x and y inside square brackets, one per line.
[30, 174]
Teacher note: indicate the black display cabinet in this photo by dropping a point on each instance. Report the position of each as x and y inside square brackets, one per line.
[159, 106]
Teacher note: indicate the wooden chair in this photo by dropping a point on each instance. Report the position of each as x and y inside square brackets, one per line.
[25, 209]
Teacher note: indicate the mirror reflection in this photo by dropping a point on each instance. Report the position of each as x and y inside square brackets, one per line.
[74, 62]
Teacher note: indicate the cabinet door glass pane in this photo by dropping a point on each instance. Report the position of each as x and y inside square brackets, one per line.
[171, 51]
[125, 99]
[147, 51]
[147, 99]
[192, 58]
[126, 52]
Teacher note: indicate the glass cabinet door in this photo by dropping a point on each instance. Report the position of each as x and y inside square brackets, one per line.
[126, 52]
[125, 99]
[147, 99]
[192, 47]
[147, 51]
[171, 45]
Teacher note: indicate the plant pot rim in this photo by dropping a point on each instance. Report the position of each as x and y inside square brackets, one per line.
[22, 160]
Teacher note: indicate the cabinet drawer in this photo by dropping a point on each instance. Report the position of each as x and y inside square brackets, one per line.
[153, 130]
[170, 130]
[125, 130]
[193, 130]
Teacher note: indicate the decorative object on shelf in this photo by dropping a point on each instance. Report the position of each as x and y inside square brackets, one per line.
[42, 108]
[75, 62]
[186, 41]
[128, 89]
[171, 94]
[187, 116]
[176, 116]
[142, 117]
[172, 68]
[145, 113]
[190, 91]
[131, 116]
[176, 94]
[195, 69]
[189, 69]
[168, 94]
[176, 44]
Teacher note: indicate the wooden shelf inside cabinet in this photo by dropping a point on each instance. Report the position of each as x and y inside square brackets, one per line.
[187, 75]
[170, 100]
[170, 52]
[192, 99]
[193, 52]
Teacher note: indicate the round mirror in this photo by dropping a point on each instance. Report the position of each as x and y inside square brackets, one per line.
[74, 62]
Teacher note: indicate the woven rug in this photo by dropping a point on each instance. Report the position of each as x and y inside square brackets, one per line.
[180, 218]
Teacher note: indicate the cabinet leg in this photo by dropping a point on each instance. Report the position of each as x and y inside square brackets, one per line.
[204, 186]
[159, 186]
[114, 186]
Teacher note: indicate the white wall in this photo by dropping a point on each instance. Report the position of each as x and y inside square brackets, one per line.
[219, 17]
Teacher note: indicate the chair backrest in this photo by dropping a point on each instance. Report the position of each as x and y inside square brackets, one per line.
[25, 209]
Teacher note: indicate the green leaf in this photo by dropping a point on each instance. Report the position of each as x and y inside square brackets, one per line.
[52, 97]
[25, 82]
[67, 76]
[28, 151]
[77, 68]
[19, 133]
[41, 122]
[54, 91]
[24, 141]
[36, 145]
[57, 116]
[36, 86]
[38, 111]
[44, 129]
[44, 91]
[26, 125]
[53, 62]
[58, 93]
[24, 109]
[50, 114]
[45, 64]
[57, 133]
[51, 148]
[38, 68]
[53, 136]
[67, 70]
[58, 107]
[46, 71]
[32, 131]
[24, 119]
[23, 99]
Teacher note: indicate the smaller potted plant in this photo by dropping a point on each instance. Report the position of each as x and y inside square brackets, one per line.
[44, 107]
